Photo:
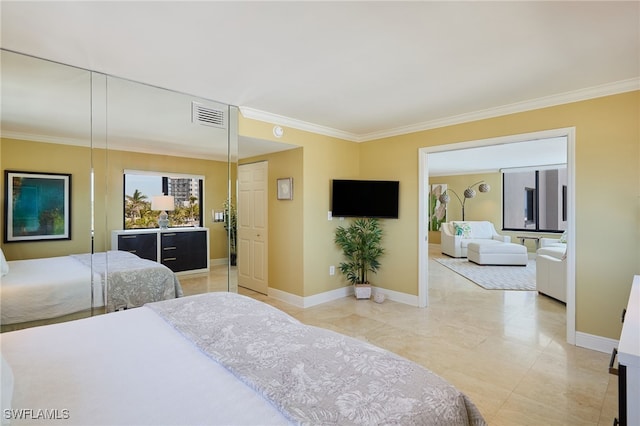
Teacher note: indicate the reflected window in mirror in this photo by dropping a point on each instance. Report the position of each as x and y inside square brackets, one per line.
[140, 188]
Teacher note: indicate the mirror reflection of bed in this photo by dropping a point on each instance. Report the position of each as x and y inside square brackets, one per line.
[49, 290]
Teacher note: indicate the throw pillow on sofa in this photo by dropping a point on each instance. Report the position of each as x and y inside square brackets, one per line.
[462, 229]
[563, 237]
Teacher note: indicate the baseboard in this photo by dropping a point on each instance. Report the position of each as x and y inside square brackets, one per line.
[339, 293]
[596, 343]
[292, 299]
[307, 302]
[396, 296]
[218, 262]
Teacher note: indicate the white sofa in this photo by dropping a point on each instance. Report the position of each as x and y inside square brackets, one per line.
[551, 269]
[479, 232]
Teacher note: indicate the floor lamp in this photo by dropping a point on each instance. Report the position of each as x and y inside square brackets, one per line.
[468, 193]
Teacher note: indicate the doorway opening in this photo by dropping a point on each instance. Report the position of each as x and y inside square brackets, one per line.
[423, 185]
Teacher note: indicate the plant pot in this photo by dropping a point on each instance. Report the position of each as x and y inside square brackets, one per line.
[362, 291]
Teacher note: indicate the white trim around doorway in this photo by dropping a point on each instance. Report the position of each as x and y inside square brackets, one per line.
[423, 235]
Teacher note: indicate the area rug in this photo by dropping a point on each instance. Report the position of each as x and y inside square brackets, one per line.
[494, 277]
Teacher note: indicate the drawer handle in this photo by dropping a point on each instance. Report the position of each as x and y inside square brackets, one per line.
[613, 370]
[169, 248]
[168, 258]
[173, 234]
[128, 236]
[132, 251]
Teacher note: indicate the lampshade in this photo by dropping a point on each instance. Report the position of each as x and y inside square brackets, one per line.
[163, 203]
[469, 193]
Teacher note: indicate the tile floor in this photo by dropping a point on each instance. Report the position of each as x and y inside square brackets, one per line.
[505, 349]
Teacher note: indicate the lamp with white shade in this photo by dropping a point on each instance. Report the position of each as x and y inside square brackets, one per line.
[163, 203]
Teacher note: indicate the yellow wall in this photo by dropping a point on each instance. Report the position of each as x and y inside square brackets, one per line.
[25, 156]
[607, 193]
[323, 159]
[48, 157]
[285, 221]
[485, 206]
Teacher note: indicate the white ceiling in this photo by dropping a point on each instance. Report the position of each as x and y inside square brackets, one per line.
[356, 70]
[494, 158]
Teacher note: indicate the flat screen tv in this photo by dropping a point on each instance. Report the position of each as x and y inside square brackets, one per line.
[365, 198]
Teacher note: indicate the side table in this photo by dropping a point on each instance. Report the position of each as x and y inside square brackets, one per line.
[529, 237]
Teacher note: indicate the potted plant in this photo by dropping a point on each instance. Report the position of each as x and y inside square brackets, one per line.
[230, 225]
[360, 244]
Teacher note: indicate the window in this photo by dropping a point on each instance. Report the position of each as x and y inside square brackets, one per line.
[535, 200]
[140, 187]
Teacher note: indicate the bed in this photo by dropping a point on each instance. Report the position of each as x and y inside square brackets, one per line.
[38, 289]
[215, 358]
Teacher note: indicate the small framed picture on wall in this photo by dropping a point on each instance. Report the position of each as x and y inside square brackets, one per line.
[285, 188]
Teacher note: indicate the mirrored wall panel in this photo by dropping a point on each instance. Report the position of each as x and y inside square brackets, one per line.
[99, 174]
[167, 168]
[45, 156]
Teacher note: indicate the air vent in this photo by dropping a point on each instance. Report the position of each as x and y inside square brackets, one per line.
[207, 116]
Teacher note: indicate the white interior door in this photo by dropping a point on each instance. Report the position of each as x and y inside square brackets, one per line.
[252, 227]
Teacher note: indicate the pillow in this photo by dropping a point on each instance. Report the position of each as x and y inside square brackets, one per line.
[462, 229]
[563, 237]
[4, 266]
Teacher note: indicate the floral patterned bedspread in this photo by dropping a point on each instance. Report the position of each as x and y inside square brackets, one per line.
[130, 280]
[312, 375]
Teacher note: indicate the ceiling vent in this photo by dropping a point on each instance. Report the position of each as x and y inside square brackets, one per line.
[207, 116]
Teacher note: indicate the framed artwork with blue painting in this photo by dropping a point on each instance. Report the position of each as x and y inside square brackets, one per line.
[37, 206]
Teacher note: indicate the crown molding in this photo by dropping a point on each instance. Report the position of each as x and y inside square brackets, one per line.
[281, 120]
[608, 89]
[101, 144]
[46, 138]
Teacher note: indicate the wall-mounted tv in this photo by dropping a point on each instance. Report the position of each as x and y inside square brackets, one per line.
[365, 198]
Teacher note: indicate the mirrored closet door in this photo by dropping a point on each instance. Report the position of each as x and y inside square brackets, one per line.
[168, 155]
[86, 158]
[45, 156]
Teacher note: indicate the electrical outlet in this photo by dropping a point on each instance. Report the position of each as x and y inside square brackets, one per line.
[332, 270]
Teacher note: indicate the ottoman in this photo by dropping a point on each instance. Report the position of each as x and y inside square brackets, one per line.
[497, 254]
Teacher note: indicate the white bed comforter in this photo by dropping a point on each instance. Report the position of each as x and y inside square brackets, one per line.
[313, 375]
[47, 288]
[131, 281]
[219, 359]
[123, 368]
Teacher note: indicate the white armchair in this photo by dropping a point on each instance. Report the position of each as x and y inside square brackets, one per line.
[551, 242]
[456, 236]
[551, 268]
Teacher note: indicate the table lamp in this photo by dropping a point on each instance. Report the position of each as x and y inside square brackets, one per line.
[163, 203]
